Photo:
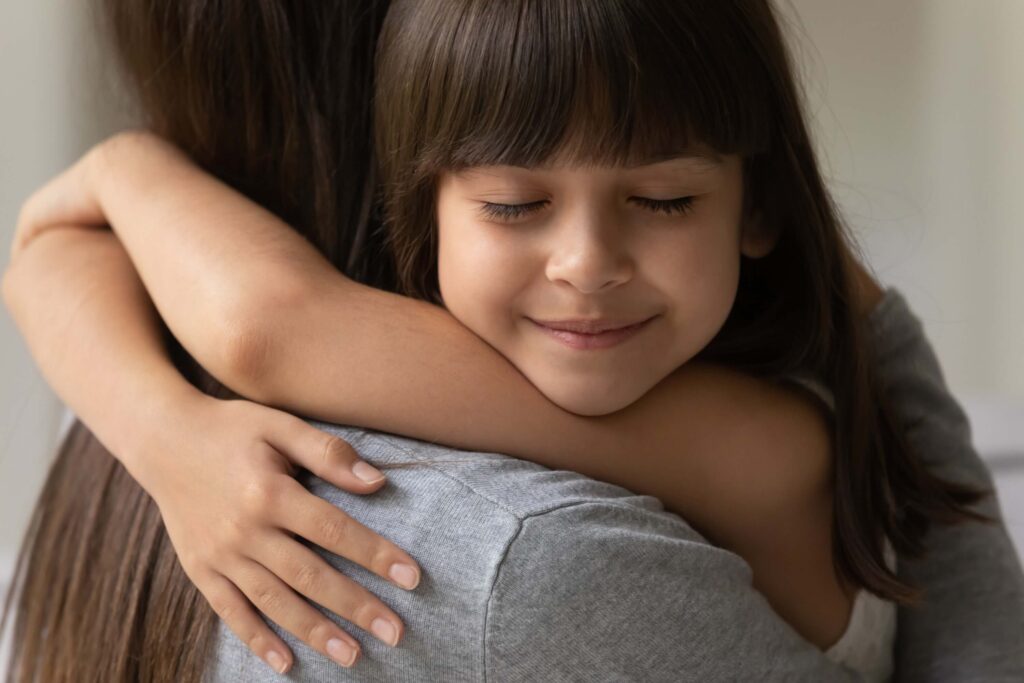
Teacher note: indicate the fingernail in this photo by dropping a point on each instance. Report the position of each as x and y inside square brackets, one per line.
[404, 575]
[367, 472]
[385, 630]
[341, 652]
[276, 662]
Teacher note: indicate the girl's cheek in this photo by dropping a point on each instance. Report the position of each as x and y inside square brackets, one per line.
[474, 274]
[498, 258]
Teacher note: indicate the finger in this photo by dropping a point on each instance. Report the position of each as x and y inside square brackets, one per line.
[311, 576]
[237, 613]
[314, 519]
[325, 455]
[274, 598]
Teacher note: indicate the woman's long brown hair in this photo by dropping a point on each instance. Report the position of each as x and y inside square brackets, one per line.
[273, 97]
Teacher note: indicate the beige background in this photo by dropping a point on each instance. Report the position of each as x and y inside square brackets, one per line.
[917, 104]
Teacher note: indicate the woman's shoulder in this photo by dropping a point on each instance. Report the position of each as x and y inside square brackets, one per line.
[636, 602]
[436, 474]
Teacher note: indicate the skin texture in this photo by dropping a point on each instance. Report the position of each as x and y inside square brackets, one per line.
[566, 242]
[586, 243]
[231, 518]
[238, 315]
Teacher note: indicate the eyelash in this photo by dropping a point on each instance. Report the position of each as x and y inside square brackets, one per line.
[506, 212]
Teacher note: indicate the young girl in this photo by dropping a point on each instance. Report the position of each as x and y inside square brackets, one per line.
[620, 198]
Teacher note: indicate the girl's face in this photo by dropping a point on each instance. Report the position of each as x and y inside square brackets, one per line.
[654, 249]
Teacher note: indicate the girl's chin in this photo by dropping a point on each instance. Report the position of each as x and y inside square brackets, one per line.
[587, 401]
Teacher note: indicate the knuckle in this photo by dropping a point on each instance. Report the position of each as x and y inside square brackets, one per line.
[308, 578]
[226, 610]
[334, 529]
[256, 641]
[314, 633]
[336, 452]
[259, 495]
[382, 556]
[363, 611]
[224, 605]
[268, 599]
[233, 535]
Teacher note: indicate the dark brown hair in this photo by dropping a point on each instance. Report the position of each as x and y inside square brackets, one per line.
[274, 98]
[463, 83]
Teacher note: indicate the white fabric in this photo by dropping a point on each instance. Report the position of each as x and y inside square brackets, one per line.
[868, 643]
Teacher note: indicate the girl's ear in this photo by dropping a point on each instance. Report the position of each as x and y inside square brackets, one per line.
[757, 239]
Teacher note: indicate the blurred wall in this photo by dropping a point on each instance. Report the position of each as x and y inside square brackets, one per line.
[918, 108]
[55, 107]
[917, 105]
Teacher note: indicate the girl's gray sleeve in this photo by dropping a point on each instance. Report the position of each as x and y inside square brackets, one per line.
[596, 591]
[971, 625]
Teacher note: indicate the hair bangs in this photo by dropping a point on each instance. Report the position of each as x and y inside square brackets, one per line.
[534, 82]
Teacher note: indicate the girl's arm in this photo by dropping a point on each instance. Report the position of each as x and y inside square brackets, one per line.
[267, 254]
[93, 332]
[254, 302]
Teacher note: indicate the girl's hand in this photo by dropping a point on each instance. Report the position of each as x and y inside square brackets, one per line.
[236, 515]
[222, 478]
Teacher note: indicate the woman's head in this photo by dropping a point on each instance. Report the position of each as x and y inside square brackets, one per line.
[594, 118]
[273, 98]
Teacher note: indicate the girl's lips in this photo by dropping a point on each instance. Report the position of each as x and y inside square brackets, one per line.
[600, 340]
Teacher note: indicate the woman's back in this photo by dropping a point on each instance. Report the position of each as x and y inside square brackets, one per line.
[536, 574]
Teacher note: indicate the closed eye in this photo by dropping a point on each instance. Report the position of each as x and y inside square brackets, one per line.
[679, 205]
[508, 212]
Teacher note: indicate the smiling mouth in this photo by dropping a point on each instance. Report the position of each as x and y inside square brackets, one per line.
[588, 326]
[576, 337]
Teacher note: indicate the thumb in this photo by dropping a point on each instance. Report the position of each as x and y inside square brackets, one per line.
[331, 458]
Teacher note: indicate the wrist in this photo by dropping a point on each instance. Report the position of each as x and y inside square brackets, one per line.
[161, 413]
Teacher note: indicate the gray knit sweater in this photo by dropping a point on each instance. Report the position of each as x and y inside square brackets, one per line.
[531, 574]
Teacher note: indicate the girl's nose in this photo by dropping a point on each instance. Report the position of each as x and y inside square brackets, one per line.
[590, 257]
